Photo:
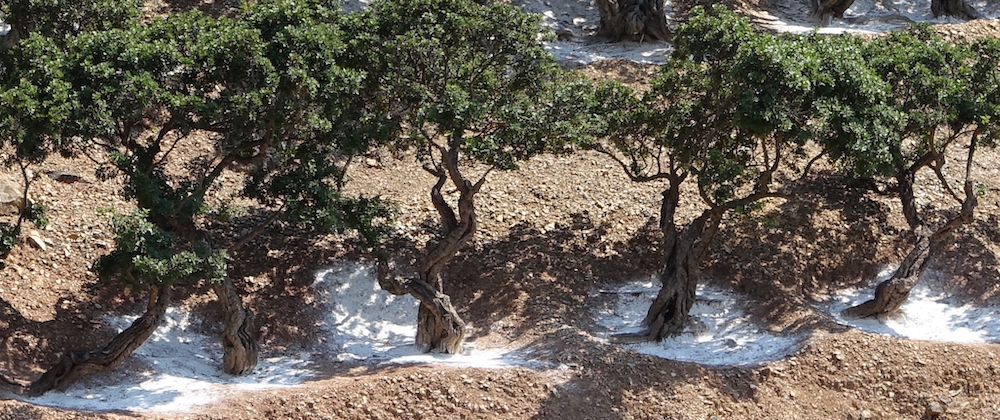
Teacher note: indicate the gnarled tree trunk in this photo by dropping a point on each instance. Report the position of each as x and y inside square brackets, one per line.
[79, 363]
[239, 333]
[891, 294]
[683, 251]
[439, 327]
[957, 8]
[635, 20]
[669, 312]
[824, 11]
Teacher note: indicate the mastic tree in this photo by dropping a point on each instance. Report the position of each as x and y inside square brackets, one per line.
[24, 125]
[729, 108]
[63, 18]
[24, 132]
[940, 95]
[265, 89]
[462, 83]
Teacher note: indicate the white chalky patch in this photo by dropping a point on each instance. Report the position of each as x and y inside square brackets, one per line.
[727, 336]
[929, 314]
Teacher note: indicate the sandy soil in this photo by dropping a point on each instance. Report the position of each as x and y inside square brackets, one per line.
[554, 235]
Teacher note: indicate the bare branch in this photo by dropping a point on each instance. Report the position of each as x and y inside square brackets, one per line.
[628, 171]
[805, 171]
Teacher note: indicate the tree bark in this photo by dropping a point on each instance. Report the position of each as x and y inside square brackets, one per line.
[239, 333]
[891, 294]
[439, 327]
[683, 251]
[79, 363]
[957, 8]
[668, 313]
[824, 11]
[635, 20]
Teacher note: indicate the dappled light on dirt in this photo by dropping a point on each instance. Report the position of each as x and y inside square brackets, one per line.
[929, 314]
[180, 367]
[177, 369]
[364, 322]
[720, 334]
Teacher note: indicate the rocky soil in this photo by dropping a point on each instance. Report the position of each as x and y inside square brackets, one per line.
[552, 232]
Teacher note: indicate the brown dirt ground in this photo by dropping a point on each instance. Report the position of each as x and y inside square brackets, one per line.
[551, 232]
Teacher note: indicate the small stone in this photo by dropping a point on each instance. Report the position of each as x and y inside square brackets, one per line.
[64, 177]
[36, 241]
[934, 410]
[565, 34]
[11, 198]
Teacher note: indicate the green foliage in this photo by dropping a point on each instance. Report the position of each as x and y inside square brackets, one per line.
[455, 69]
[982, 101]
[64, 18]
[321, 122]
[266, 88]
[852, 112]
[727, 107]
[730, 101]
[9, 236]
[227, 212]
[145, 254]
[37, 214]
[36, 98]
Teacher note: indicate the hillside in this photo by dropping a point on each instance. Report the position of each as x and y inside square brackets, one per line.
[563, 259]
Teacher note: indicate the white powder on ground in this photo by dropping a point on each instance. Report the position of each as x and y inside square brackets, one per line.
[365, 322]
[728, 337]
[176, 369]
[180, 367]
[793, 16]
[929, 314]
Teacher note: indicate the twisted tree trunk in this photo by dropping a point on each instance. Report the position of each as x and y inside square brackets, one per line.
[824, 11]
[79, 363]
[891, 294]
[239, 333]
[683, 251]
[957, 8]
[635, 20]
[668, 314]
[439, 327]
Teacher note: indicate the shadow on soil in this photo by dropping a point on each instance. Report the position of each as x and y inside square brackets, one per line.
[824, 238]
[545, 281]
[31, 346]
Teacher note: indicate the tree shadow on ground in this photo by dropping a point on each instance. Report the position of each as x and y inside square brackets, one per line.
[545, 275]
[780, 260]
[545, 282]
[608, 382]
[969, 263]
[824, 238]
[273, 272]
[32, 346]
